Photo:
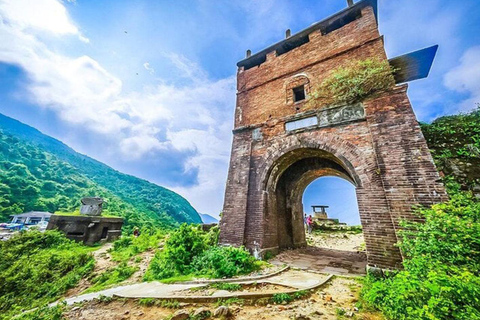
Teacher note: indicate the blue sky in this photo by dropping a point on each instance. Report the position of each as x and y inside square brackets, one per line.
[336, 193]
[148, 87]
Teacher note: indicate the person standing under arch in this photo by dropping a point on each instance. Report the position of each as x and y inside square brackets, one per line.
[309, 224]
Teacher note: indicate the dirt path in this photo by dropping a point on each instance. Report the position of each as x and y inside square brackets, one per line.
[343, 241]
[324, 260]
[103, 261]
[145, 257]
[335, 301]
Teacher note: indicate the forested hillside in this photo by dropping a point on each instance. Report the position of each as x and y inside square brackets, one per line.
[38, 172]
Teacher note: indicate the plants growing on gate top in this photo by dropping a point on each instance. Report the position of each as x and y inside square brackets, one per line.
[353, 83]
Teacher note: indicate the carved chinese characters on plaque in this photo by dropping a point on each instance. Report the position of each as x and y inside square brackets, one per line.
[341, 114]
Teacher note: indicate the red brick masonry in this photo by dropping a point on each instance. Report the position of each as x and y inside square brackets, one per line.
[378, 147]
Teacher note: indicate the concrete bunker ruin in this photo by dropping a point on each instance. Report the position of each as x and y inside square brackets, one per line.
[281, 143]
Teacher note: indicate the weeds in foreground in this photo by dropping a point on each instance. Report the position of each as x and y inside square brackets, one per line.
[229, 301]
[280, 298]
[149, 302]
[226, 286]
[37, 268]
[441, 277]
[112, 276]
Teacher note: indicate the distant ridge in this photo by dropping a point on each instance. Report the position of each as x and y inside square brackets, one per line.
[57, 176]
[206, 218]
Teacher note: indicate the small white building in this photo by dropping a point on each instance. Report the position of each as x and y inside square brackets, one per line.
[32, 218]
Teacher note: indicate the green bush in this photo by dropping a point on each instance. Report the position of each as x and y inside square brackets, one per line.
[454, 136]
[353, 82]
[112, 276]
[212, 236]
[44, 313]
[181, 247]
[37, 268]
[130, 246]
[441, 276]
[191, 251]
[224, 262]
[226, 286]
[280, 298]
[454, 142]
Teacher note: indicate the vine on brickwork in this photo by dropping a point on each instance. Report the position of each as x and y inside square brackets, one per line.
[353, 82]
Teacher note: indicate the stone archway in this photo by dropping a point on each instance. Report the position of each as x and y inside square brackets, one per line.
[280, 141]
[391, 175]
[298, 160]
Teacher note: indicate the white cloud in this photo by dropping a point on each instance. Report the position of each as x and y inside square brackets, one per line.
[189, 69]
[39, 16]
[465, 78]
[191, 117]
[147, 67]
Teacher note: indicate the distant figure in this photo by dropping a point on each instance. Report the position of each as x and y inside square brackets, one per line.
[305, 221]
[309, 224]
[136, 232]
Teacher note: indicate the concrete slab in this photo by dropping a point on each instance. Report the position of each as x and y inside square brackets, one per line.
[289, 281]
[324, 260]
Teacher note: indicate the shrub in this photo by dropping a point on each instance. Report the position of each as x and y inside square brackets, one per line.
[354, 82]
[191, 251]
[226, 286]
[212, 236]
[112, 276]
[280, 298]
[129, 246]
[181, 247]
[37, 268]
[441, 276]
[220, 262]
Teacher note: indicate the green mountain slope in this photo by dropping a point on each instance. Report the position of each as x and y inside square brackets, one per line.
[38, 172]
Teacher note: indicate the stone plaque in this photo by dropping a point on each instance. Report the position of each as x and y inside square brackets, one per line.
[341, 114]
[301, 123]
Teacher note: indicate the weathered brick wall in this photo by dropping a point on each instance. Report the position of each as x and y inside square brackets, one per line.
[383, 154]
[235, 207]
[407, 169]
[262, 90]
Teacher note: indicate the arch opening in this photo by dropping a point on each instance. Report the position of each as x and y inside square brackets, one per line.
[287, 181]
[331, 202]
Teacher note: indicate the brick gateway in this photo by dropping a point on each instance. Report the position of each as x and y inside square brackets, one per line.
[280, 144]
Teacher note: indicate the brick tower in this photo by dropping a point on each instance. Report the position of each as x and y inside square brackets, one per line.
[280, 144]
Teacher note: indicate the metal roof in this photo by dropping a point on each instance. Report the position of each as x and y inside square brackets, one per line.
[32, 214]
[414, 65]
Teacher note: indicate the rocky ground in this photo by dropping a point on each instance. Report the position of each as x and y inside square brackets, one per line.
[338, 300]
[338, 240]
